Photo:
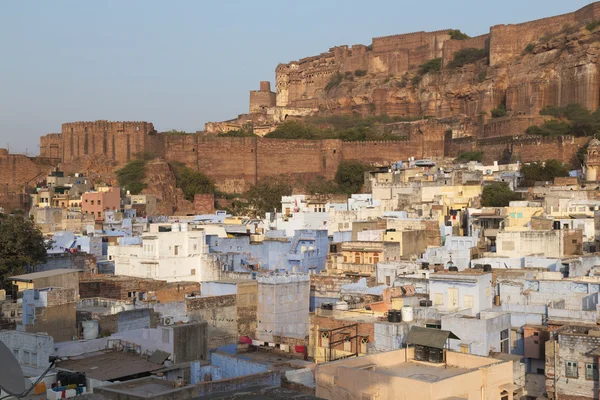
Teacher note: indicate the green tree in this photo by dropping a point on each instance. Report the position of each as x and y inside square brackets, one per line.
[266, 196]
[542, 172]
[131, 176]
[350, 176]
[21, 244]
[498, 194]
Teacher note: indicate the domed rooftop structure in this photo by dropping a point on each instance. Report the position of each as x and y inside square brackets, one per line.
[594, 143]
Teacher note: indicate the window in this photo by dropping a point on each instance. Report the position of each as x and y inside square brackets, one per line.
[325, 339]
[376, 258]
[464, 348]
[347, 344]
[504, 345]
[33, 359]
[591, 372]
[438, 299]
[571, 369]
[176, 250]
[25, 357]
[16, 354]
[468, 301]
[387, 280]
[92, 202]
[363, 345]
[99, 202]
[99, 214]
[357, 258]
[193, 272]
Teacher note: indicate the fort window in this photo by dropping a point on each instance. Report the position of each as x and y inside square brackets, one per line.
[591, 372]
[571, 369]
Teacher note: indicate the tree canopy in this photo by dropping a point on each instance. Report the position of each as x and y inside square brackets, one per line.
[498, 194]
[572, 119]
[266, 196]
[21, 244]
[350, 176]
[542, 172]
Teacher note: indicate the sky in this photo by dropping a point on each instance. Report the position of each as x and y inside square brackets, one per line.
[181, 63]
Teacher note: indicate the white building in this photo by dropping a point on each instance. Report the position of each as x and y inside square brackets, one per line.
[461, 291]
[32, 350]
[456, 249]
[489, 332]
[179, 255]
[283, 308]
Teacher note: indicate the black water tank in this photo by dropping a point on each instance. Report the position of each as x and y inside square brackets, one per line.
[327, 306]
[425, 265]
[487, 268]
[394, 316]
[425, 303]
[453, 269]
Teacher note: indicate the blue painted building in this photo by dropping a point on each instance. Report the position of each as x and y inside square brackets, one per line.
[305, 252]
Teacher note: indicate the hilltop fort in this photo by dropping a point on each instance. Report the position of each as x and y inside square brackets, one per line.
[449, 80]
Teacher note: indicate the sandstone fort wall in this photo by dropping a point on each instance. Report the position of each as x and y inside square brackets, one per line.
[507, 41]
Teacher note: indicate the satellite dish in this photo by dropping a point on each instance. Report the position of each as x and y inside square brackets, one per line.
[11, 376]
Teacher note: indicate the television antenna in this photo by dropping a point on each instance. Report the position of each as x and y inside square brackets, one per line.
[12, 380]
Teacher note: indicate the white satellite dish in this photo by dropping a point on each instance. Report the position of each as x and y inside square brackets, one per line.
[11, 376]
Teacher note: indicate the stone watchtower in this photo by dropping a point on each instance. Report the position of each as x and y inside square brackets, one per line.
[262, 99]
[592, 161]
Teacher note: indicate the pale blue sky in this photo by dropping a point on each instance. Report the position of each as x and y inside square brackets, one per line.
[181, 63]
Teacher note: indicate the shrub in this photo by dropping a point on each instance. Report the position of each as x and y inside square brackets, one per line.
[466, 56]
[367, 84]
[334, 81]
[370, 47]
[192, 182]
[469, 156]
[592, 25]
[500, 111]
[529, 48]
[415, 80]
[360, 72]
[482, 76]
[132, 175]
[434, 65]
[456, 34]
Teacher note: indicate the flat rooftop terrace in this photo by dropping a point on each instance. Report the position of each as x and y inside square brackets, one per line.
[421, 371]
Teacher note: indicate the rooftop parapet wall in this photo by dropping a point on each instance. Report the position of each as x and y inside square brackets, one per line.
[507, 41]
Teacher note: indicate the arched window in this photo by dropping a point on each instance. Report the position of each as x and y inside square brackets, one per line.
[357, 258]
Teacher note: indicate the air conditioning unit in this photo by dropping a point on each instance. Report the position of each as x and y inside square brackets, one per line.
[167, 320]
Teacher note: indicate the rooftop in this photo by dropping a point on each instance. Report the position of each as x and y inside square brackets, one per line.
[109, 365]
[43, 274]
[422, 371]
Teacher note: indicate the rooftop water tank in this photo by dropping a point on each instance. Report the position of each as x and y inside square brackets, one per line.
[175, 227]
[341, 305]
[407, 313]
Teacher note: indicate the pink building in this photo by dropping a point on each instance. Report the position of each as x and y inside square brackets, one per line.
[96, 203]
